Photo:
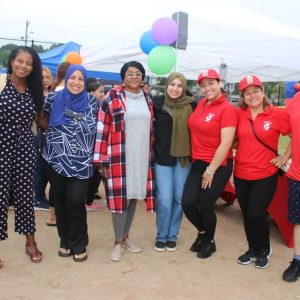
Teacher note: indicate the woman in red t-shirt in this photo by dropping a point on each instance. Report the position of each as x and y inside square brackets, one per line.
[256, 166]
[212, 126]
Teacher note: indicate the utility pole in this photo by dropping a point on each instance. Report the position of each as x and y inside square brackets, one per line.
[26, 31]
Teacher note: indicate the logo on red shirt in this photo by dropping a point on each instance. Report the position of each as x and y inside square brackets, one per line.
[267, 125]
[209, 117]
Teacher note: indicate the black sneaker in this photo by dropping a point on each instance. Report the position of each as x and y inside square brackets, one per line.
[247, 257]
[197, 244]
[160, 246]
[262, 260]
[171, 246]
[207, 249]
[292, 273]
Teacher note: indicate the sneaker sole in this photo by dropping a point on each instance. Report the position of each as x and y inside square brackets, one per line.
[131, 249]
[289, 280]
[264, 267]
[248, 262]
[206, 256]
[171, 249]
[159, 249]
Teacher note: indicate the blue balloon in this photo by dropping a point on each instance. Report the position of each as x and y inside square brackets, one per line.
[147, 43]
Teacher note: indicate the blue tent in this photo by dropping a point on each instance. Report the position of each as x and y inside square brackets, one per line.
[53, 58]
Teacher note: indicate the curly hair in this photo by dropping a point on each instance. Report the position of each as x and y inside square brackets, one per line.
[34, 80]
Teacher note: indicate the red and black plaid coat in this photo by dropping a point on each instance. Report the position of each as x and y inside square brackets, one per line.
[110, 150]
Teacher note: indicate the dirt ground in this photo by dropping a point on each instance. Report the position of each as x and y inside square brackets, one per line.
[145, 275]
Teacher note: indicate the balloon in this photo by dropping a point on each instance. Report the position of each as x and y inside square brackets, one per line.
[73, 58]
[63, 59]
[146, 42]
[164, 31]
[162, 59]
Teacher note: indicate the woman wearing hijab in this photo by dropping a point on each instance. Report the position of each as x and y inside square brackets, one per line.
[68, 154]
[123, 152]
[172, 158]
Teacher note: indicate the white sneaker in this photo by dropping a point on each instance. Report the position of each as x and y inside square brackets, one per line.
[116, 253]
[132, 246]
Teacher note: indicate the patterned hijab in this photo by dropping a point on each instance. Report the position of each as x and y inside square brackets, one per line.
[66, 100]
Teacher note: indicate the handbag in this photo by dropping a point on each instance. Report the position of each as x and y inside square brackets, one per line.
[281, 171]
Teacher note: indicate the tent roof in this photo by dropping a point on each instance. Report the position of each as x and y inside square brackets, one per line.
[248, 43]
[53, 57]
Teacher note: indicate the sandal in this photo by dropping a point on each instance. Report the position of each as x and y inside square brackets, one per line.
[80, 257]
[1, 264]
[64, 252]
[34, 253]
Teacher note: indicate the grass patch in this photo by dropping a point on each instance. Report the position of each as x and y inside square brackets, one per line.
[283, 142]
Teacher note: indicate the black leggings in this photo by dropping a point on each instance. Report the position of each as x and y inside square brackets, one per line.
[197, 203]
[254, 197]
[69, 194]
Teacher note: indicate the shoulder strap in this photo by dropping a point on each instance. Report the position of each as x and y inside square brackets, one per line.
[3, 79]
[267, 146]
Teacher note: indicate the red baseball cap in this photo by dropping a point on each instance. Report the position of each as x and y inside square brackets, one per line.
[250, 80]
[209, 73]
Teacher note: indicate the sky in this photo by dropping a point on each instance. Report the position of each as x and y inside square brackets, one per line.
[86, 22]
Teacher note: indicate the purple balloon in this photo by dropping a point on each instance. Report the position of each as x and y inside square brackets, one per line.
[164, 31]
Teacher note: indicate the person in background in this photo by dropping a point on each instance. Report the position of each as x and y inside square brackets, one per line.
[21, 103]
[255, 169]
[212, 126]
[123, 152]
[40, 180]
[292, 273]
[97, 90]
[57, 85]
[172, 158]
[59, 81]
[71, 110]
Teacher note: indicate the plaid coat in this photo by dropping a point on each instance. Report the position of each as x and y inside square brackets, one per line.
[110, 150]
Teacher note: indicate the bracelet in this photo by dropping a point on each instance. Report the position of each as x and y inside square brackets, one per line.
[209, 171]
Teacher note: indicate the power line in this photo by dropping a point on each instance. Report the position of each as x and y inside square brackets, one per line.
[38, 41]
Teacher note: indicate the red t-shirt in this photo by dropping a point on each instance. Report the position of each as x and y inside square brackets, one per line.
[205, 125]
[252, 159]
[293, 110]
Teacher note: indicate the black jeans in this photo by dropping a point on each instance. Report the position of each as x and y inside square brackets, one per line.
[69, 194]
[197, 203]
[254, 197]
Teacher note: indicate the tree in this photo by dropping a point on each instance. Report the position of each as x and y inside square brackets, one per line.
[5, 51]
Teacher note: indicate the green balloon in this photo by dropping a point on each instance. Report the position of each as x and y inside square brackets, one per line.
[162, 59]
[63, 59]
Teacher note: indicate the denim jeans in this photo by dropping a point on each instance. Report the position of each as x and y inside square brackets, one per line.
[170, 182]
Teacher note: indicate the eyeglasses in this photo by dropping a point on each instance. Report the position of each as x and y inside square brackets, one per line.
[73, 114]
[132, 75]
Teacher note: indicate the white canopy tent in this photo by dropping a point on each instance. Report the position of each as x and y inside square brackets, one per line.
[219, 32]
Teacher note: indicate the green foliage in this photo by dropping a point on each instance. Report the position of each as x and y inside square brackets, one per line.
[283, 143]
[5, 50]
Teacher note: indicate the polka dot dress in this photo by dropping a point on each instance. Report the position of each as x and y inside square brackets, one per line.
[17, 159]
[294, 202]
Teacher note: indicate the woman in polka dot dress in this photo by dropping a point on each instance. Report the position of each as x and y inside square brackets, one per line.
[21, 102]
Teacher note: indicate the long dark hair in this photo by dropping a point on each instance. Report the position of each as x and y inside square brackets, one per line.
[60, 74]
[34, 80]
